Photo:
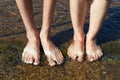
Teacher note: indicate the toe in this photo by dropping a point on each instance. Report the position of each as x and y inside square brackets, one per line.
[23, 56]
[26, 58]
[74, 57]
[101, 54]
[36, 61]
[30, 60]
[69, 51]
[90, 58]
[80, 56]
[56, 56]
[51, 61]
[52, 64]
[96, 57]
[69, 55]
[60, 56]
[80, 59]
[60, 59]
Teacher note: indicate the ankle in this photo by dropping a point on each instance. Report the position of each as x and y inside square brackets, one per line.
[33, 36]
[44, 37]
[90, 37]
[79, 37]
[34, 39]
[90, 41]
[45, 34]
[78, 42]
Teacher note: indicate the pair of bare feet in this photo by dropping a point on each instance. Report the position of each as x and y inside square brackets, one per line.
[76, 50]
[31, 53]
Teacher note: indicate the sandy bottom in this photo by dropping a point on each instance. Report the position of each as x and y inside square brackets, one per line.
[13, 40]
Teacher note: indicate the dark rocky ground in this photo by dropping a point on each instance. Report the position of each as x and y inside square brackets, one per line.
[13, 40]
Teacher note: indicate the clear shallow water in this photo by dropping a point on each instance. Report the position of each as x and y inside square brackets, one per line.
[12, 42]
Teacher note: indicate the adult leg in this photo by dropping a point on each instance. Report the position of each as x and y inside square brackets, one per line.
[52, 52]
[31, 53]
[98, 11]
[78, 9]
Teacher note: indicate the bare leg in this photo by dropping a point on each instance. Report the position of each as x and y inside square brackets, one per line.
[31, 53]
[98, 11]
[78, 9]
[51, 51]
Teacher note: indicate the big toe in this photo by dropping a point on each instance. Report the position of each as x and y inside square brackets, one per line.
[28, 59]
[36, 61]
[71, 55]
[80, 58]
[74, 57]
[51, 61]
[90, 58]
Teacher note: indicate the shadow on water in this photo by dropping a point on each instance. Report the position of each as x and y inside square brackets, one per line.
[109, 32]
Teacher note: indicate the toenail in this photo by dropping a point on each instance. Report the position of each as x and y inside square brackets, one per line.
[52, 64]
[35, 63]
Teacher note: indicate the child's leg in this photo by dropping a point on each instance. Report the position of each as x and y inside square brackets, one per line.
[31, 52]
[51, 51]
[98, 11]
[78, 9]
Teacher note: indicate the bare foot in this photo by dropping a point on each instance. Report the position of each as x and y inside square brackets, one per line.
[53, 54]
[76, 50]
[31, 53]
[93, 51]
